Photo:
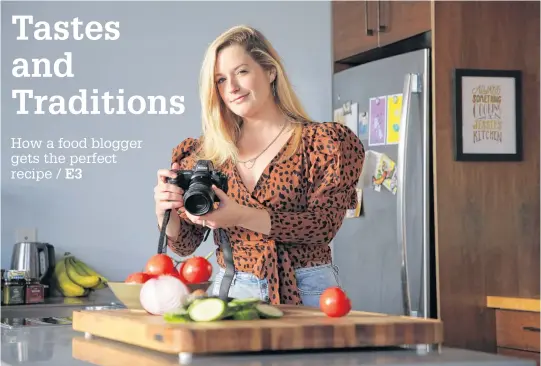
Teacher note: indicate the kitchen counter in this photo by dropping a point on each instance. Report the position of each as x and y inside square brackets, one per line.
[514, 303]
[60, 345]
[55, 345]
[60, 306]
[56, 308]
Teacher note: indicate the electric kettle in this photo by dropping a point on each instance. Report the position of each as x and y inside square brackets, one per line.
[38, 259]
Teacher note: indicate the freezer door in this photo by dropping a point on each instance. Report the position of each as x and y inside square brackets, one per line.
[368, 250]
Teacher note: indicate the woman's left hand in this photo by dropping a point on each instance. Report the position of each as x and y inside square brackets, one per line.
[228, 213]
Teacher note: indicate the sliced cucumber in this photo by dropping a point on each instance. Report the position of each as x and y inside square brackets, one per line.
[234, 307]
[207, 310]
[171, 318]
[179, 315]
[247, 314]
[269, 311]
[247, 301]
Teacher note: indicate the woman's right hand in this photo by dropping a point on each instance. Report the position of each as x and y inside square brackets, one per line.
[167, 196]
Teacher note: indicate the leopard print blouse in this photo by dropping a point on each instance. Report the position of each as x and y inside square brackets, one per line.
[306, 195]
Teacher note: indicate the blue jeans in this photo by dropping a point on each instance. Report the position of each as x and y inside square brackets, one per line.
[311, 282]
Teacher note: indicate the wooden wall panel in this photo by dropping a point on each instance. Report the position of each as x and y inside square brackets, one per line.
[487, 214]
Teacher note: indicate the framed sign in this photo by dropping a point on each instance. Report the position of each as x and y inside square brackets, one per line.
[487, 115]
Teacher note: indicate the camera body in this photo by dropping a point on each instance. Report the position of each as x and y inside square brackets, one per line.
[199, 197]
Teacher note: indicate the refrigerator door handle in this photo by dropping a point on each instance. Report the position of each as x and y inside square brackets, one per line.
[411, 85]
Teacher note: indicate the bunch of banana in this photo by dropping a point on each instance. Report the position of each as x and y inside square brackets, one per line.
[75, 278]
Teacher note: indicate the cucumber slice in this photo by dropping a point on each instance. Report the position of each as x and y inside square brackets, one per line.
[177, 316]
[247, 314]
[269, 311]
[247, 301]
[235, 307]
[174, 319]
[207, 310]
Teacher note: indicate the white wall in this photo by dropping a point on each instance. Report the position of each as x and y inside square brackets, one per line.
[107, 217]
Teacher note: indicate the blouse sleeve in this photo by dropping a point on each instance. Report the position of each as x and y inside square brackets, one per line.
[336, 157]
[190, 235]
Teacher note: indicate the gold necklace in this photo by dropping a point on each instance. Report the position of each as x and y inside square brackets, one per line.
[253, 160]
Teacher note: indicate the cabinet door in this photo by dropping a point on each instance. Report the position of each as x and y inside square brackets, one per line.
[398, 20]
[354, 27]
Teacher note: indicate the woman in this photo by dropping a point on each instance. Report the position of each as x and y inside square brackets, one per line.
[290, 179]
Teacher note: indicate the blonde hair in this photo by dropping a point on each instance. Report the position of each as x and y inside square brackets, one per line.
[221, 127]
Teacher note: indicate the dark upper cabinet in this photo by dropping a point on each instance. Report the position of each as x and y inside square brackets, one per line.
[360, 26]
[354, 24]
[399, 20]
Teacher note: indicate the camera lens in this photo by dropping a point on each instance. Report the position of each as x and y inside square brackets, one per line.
[197, 204]
[198, 199]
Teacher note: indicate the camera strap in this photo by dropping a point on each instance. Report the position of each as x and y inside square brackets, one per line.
[226, 250]
[229, 265]
[162, 241]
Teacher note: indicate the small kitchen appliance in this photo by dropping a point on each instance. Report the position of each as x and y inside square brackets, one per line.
[37, 259]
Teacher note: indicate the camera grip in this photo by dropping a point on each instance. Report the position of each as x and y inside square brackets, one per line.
[219, 179]
[182, 178]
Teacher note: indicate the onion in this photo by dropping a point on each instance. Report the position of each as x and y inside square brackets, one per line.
[162, 294]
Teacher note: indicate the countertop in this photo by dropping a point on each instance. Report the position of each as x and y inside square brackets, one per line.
[61, 345]
[60, 306]
[514, 303]
[99, 297]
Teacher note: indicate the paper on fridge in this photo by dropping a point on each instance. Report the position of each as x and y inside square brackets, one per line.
[378, 170]
[363, 126]
[377, 121]
[352, 117]
[338, 116]
[394, 112]
[348, 115]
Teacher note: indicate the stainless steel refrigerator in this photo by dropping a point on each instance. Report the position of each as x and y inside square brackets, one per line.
[384, 255]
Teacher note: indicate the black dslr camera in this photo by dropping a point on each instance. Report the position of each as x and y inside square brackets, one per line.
[197, 184]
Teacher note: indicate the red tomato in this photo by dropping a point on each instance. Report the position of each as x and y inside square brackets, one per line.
[334, 302]
[196, 270]
[138, 277]
[179, 273]
[160, 264]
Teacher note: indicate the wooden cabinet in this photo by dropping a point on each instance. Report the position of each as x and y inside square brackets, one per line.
[517, 326]
[398, 20]
[360, 26]
[487, 235]
[517, 333]
[353, 28]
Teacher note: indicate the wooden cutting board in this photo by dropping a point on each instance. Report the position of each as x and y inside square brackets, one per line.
[299, 328]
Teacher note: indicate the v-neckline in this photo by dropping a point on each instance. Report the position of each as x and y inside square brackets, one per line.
[265, 171]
